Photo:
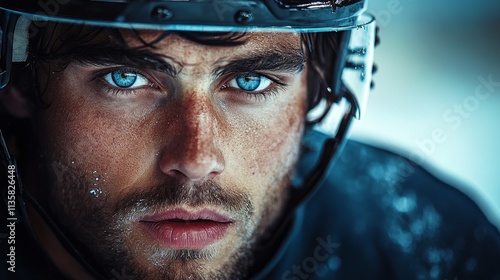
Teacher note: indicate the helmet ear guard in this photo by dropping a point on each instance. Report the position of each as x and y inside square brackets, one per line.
[7, 27]
[345, 98]
[350, 80]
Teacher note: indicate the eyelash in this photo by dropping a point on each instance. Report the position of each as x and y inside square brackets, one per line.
[271, 91]
[117, 91]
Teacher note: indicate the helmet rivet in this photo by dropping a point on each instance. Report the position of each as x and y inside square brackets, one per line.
[243, 17]
[161, 13]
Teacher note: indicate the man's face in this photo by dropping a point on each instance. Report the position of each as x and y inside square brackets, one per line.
[177, 171]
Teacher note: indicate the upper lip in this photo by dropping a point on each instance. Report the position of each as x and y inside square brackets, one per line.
[186, 215]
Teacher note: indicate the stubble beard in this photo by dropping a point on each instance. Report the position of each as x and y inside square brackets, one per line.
[108, 237]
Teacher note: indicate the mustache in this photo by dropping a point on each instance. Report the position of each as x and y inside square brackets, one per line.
[174, 193]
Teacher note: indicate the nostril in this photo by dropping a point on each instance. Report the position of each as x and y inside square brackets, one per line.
[174, 173]
[192, 167]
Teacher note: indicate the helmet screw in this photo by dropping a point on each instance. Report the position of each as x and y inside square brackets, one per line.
[161, 13]
[243, 17]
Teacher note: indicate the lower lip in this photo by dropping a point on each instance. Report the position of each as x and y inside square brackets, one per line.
[194, 235]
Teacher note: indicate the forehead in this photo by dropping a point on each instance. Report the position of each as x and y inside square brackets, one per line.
[69, 42]
[65, 37]
[190, 45]
[215, 39]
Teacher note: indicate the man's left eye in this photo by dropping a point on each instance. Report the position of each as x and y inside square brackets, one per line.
[250, 82]
[123, 78]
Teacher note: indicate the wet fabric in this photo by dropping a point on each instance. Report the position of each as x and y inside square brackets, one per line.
[381, 216]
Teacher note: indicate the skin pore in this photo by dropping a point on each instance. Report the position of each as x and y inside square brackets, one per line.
[123, 143]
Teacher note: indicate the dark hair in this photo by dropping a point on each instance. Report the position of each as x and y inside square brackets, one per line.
[320, 50]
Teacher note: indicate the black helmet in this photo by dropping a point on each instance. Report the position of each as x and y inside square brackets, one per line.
[351, 70]
[200, 15]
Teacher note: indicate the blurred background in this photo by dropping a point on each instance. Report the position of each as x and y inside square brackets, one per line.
[437, 91]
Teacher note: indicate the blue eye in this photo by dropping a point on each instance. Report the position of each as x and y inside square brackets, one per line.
[124, 78]
[250, 82]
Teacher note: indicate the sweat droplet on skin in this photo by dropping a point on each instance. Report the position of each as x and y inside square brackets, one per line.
[96, 192]
[97, 179]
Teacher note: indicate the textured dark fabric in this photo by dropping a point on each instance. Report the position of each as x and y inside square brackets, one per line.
[379, 216]
[375, 216]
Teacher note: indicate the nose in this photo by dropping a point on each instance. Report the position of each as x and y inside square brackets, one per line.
[192, 151]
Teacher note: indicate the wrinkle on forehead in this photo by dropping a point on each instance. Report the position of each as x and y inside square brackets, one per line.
[183, 52]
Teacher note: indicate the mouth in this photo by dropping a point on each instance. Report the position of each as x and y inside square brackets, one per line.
[182, 229]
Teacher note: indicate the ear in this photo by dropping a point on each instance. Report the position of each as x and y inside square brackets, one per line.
[16, 104]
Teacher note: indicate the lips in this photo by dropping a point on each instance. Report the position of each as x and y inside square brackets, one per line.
[182, 229]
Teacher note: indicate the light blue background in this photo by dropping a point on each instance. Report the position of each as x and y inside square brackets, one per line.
[431, 56]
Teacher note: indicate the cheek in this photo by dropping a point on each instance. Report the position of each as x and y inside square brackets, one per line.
[270, 145]
[91, 145]
[265, 149]
[272, 139]
[267, 157]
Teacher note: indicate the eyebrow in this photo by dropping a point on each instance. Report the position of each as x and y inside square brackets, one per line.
[127, 57]
[292, 62]
[288, 62]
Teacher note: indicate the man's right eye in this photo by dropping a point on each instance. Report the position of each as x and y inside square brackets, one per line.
[125, 78]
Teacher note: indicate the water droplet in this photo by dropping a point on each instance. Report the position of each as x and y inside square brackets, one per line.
[334, 262]
[404, 204]
[96, 192]
[435, 272]
[417, 227]
[401, 237]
